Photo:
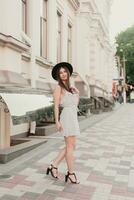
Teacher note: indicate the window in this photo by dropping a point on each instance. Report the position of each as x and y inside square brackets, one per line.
[24, 15]
[59, 36]
[69, 43]
[43, 30]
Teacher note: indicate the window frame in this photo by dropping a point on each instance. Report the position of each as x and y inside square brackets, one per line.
[24, 16]
[59, 35]
[44, 30]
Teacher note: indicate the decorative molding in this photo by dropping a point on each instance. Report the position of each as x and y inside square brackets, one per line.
[11, 42]
[41, 85]
[6, 110]
[26, 56]
[43, 62]
[90, 5]
[10, 78]
[90, 8]
[75, 4]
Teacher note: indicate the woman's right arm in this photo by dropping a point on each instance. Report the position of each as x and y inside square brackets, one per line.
[56, 96]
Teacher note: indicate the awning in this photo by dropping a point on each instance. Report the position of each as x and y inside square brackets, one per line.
[21, 104]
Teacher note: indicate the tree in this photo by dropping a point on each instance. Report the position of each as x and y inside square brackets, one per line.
[125, 41]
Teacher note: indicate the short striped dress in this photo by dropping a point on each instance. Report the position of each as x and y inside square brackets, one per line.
[68, 116]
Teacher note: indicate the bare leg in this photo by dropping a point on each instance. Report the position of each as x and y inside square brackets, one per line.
[57, 160]
[59, 157]
[68, 154]
[70, 145]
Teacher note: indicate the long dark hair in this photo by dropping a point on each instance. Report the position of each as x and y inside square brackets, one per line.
[60, 82]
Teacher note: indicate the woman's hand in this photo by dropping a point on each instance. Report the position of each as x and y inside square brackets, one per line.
[59, 126]
[75, 90]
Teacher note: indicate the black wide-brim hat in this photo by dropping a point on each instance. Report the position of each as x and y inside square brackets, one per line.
[59, 65]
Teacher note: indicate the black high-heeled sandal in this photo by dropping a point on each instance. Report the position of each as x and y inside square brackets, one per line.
[51, 171]
[68, 177]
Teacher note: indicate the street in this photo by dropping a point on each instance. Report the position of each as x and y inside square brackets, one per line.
[104, 163]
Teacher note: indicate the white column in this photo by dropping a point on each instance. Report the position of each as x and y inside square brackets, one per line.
[34, 25]
[74, 44]
[97, 50]
[92, 55]
[102, 67]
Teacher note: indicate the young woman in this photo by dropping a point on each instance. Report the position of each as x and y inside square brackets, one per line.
[67, 122]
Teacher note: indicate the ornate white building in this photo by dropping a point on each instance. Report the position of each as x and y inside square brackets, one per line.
[95, 53]
[35, 35]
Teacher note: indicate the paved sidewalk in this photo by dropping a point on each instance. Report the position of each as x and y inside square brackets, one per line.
[104, 159]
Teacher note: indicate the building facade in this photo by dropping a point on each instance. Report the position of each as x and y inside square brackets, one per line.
[35, 35]
[97, 54]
